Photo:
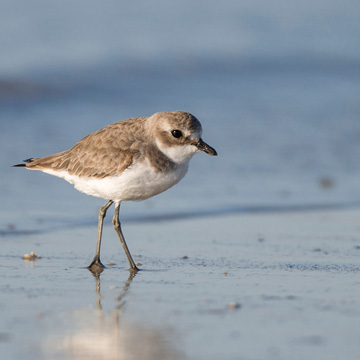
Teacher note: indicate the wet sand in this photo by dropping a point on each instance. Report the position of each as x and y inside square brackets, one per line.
[249, 286]
[254, 255]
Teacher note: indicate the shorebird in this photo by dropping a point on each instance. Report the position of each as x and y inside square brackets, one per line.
[132, 159]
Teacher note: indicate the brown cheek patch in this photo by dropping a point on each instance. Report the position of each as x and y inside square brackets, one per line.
[168, 140]
[165, 139]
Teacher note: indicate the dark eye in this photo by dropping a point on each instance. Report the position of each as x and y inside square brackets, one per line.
[176, 134]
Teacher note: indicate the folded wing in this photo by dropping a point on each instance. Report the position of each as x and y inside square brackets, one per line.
[106, 152]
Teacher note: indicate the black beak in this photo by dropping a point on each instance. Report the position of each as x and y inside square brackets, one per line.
[203, 146]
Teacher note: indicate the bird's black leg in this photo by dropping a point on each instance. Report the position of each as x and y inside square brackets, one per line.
[117, 228]
[96, 263]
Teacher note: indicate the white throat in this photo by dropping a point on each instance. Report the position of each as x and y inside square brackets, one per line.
[178, 154]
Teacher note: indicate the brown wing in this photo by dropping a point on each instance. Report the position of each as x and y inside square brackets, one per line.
[106, 152]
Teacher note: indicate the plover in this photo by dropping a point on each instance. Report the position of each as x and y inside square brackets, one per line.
[132, 159]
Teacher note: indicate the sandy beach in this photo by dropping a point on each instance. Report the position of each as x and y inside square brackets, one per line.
[255, 254]
[263, 286]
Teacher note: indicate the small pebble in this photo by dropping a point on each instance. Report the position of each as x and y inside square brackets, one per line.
[110, 264]
[31, 257]
[185, 257]
[326, 182]
[234, 305]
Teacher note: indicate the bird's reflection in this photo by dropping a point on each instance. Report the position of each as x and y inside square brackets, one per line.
[121, 297]
[99, 334]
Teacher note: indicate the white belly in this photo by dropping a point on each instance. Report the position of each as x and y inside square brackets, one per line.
[136, 183]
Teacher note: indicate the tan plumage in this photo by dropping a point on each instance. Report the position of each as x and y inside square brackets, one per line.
[106, 152]
[131, 159]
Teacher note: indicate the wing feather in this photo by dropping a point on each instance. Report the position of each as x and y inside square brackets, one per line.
[106, 152]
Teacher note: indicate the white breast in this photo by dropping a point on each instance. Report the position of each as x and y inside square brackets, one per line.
[138, 182]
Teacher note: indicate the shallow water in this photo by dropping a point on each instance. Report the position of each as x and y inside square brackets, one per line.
[276, 87]
[208, 288]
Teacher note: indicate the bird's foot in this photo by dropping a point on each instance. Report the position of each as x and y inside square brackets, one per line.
[134, 269]
[96, 265]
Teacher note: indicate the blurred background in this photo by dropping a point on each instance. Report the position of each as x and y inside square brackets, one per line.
[275, 84]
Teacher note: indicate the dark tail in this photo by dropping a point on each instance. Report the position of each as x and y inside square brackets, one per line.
[25, 161]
